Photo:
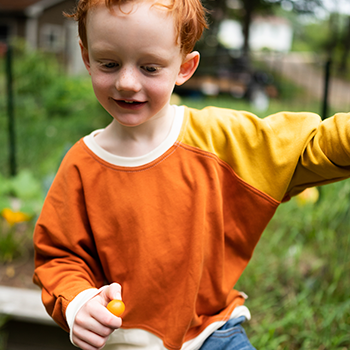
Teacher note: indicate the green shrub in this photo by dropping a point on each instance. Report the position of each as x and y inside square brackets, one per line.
[21, 199]
[298, 279]
[52, 112]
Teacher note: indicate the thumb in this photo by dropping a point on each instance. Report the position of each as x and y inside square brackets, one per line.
[113, 291]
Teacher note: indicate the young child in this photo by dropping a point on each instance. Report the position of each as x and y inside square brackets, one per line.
[166, 204]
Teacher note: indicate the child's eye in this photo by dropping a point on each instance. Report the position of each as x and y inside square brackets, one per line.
[151, 69]
[109, 65]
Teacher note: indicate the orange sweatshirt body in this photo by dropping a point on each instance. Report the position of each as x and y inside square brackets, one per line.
[178, 232]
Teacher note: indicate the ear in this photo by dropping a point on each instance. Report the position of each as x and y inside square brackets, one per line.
[85, 56]
[188, 67]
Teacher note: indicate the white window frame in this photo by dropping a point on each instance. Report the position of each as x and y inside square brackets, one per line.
[52, 37]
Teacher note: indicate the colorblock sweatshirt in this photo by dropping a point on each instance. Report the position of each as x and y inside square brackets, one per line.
[177, 227]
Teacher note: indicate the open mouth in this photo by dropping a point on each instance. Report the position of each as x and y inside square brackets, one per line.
[129, 104]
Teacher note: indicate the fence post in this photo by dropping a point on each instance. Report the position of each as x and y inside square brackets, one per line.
[328, 65]
[10, 112]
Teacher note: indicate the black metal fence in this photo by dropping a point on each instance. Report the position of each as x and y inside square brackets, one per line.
[301, 79]
[313, 76]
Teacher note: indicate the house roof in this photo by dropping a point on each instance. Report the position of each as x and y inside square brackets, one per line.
[22, 5]
[271, 19]
[18, 5]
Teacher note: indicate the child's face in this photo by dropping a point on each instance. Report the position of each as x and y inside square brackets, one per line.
[133, 60]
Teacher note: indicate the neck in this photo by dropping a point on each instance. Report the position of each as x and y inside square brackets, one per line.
[139, 140]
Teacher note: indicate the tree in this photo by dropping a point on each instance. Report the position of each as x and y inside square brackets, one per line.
[252, 7]
[244, 11]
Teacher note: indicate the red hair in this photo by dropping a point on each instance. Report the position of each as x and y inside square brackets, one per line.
[189, 18]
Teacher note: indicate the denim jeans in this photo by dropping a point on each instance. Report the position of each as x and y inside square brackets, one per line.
[231, 336]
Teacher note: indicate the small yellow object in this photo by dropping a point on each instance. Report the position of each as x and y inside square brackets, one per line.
[116, 307]
[10, 271]
[14, 217]
[309, 195]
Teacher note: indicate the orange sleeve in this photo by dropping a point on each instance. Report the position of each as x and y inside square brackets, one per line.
[64, 247]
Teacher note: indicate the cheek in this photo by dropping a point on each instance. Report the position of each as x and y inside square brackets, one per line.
[161, 88]
[101, 83]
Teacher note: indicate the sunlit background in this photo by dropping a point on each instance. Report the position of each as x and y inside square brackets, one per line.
[263, 56]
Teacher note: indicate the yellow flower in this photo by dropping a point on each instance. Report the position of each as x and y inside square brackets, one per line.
[14, 217]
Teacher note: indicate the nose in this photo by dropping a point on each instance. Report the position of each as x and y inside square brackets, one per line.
[128, 80]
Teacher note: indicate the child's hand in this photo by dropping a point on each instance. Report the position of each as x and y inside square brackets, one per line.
[94, 323]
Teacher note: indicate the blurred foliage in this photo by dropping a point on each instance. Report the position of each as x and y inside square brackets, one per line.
[23, 187]
[3, 335]
[21, 199]
[298, 279]
[44, 90]
[52, 111]
[327, 35]
[311, 37]
[245, 10]
[34, 71]
[15, 240]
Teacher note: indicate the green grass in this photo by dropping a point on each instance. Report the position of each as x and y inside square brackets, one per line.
[298, 280]
[240, 104]
[42, 137]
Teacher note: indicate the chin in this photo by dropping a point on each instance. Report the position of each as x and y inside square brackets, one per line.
[128, 123]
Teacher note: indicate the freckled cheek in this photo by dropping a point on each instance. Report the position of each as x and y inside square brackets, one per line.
[102, 84]
[161, 89]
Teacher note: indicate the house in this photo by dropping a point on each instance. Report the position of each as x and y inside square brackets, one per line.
[273, 33]
[42, 25]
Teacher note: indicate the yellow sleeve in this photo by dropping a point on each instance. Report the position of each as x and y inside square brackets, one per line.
[326, 157]
[280, 155]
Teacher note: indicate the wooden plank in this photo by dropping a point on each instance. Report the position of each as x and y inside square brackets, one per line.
[23, 304]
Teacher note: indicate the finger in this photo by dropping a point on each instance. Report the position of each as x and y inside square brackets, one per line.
[91, 332]
[96, 318]
[106, 318]
[102, 327]
[114, 291]
[89, 341]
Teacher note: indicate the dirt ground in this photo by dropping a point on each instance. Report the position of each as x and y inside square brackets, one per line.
[19, 272]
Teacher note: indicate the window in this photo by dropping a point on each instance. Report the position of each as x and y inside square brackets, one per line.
[4, 32]
[51, 37]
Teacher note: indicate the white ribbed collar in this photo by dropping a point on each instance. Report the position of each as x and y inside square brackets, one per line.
[172, 137]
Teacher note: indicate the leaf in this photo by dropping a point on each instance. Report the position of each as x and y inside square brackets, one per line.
[25, 186]
[5, 202]
[5, 186]
[32, 206]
